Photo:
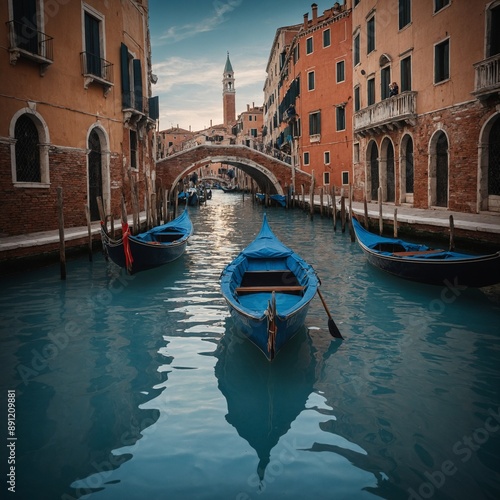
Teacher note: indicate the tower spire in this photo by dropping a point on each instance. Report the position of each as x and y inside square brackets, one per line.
[228, 94]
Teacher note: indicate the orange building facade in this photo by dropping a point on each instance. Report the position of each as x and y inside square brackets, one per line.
[315, 97]
[248, 128]
[435, 143]
[77, 110]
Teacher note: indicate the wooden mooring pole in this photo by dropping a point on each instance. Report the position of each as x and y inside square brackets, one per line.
[62, 245]
[351, 228]
[395, 223]
[380, 220]
[89, 230]
[334, 209]
[452, 234]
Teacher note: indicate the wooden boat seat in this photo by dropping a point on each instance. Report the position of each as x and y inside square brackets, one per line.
[257, 289]
[412, 254]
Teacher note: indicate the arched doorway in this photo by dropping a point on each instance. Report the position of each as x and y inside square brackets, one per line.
[442, 171]
[407, 175]
[438, 170]
[494, 167]
[390, 178]
[94, 173]
[373, 171]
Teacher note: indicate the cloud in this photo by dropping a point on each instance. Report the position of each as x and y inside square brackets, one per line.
[221, 8]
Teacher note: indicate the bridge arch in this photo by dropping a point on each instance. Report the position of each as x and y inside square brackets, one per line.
[270, 174]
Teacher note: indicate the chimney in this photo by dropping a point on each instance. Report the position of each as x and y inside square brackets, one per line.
[315, 12]
[210, 122]
[306, 20]
[248, 107]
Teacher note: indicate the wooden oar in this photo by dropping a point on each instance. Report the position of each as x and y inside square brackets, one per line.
[334, 331]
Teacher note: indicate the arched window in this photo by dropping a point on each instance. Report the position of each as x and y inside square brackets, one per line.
[27, 149]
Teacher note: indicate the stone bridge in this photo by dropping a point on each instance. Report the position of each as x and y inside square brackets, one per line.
[271, 175]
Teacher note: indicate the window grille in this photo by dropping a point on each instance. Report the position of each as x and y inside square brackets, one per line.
[27, 151]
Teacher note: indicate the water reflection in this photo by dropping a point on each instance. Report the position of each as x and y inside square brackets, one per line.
[263, 398]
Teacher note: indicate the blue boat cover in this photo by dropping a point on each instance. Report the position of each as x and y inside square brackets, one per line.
[266, 245]
[181, 224]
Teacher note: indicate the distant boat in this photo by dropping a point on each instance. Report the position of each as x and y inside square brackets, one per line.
[280, 199]
[426, 265]
[153, 248]
[230, 189]
[268, 288]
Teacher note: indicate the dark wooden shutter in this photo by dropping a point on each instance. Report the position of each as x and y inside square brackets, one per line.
[154, 108]
[125, 77]
[137, 85]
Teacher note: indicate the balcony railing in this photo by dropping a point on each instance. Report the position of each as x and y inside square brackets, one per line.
[487, 77]
[96, 69]
[388, 114]
[27, 42]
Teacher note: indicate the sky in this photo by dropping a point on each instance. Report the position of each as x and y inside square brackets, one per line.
[190, 40]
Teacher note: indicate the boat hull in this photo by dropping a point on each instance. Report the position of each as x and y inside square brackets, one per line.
[268, 289]
[146, 256]
[430, 266]
[256, 327]
[154, 248]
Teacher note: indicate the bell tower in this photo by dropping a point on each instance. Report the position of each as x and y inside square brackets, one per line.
[228, 94]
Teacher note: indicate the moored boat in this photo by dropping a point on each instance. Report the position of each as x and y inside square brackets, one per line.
[153, 248]
[421, 263]
[268, 288]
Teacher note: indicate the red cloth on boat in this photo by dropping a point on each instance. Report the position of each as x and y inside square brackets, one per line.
[126, 246]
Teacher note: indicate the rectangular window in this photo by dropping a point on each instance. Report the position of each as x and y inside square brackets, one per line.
[134, 164]
[296, 54]
[356, 2]
[404, 13]
[26, 27]
[442, 61]
[371, 91]
[326, 38]
[340, 116]
[370, 34]
[326, 178]
[253, 132]
[385, 80]
[306, 158]
[310, 80]
[356, 56]
[92, 45]
[340, 71]
[315, 123]
[440, 4]
[309, 45]
[345, 178]
[327, 157]
[357, 100]
[406, 74]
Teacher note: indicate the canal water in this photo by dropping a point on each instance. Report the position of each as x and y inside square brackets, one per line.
[134, 387]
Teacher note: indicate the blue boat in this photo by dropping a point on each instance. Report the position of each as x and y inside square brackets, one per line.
[268, 288]
[150, 249]
[421, 263]
[280, 199]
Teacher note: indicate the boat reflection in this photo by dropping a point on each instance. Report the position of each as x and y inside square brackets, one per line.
[263, 398]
